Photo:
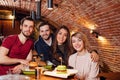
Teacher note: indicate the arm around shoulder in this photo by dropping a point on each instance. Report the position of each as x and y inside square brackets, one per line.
[94, 56]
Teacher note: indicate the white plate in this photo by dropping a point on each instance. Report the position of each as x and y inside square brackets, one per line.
[54, 73]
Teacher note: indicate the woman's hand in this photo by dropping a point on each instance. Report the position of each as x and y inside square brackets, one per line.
[76, 77]
[94, 56]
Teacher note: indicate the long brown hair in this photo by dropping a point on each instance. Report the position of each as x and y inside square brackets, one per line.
[66, 43]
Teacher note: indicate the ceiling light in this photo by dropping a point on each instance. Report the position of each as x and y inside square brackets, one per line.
[50, 4]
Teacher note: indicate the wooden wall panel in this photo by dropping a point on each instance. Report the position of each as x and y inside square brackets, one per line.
[7, 28]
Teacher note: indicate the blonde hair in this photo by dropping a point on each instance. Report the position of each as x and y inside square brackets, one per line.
[83, 37]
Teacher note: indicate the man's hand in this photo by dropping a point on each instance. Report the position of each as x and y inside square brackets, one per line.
[24, 62]
[17, 69]
[94, 56]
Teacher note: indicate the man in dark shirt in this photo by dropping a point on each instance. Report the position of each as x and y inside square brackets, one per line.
[43, 44]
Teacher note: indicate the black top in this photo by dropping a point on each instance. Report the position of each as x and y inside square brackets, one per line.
[60, 53]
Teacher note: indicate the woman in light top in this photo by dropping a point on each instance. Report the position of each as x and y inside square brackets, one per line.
[81, 60]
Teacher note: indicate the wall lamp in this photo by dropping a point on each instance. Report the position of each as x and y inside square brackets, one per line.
[95, 33]
[50, 4]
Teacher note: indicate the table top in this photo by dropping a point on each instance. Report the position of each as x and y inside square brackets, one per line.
[49, 77]
[27, 77]
[43, 77]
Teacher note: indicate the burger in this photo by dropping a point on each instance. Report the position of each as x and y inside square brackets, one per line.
[32, 65]
[61, 69]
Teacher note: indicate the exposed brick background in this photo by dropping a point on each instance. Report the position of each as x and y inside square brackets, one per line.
[103, 15]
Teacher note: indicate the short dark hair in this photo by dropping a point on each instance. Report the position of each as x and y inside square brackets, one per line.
[42, 24]
[26, 18]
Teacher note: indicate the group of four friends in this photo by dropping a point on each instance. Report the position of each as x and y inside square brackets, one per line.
[16, 50]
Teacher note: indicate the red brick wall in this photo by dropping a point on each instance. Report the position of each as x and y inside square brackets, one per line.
[83, 15]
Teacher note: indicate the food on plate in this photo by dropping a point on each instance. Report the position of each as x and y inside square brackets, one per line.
[28, 72]
[48, 67]
[32, 65]
[61, 69]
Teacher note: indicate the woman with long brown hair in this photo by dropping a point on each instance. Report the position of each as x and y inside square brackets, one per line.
[61, 46]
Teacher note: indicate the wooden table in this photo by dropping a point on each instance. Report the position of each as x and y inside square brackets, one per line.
[110, 75]
[43, 77]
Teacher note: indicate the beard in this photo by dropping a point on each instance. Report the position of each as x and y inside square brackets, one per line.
[46, 38]
[27, 36]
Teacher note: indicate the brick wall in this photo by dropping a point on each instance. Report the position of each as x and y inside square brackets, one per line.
[102, 15]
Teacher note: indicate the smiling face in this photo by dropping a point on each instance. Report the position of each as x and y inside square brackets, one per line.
[61, 36]
[27, 28]
[45, 32]
[77, 43]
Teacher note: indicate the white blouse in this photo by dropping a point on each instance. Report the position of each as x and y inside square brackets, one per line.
[85, 66]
